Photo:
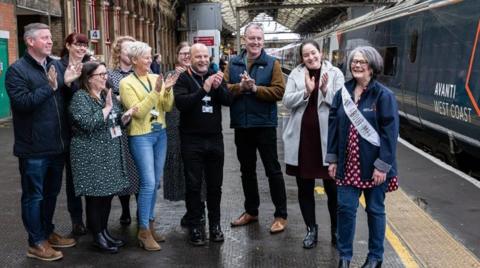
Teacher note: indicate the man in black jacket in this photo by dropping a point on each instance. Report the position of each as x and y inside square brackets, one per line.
[40, 140]
[199, 95]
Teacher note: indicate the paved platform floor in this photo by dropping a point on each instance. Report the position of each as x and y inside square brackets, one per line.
[250, 246]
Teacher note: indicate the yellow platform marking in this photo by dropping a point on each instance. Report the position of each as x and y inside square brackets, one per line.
[396, 244]
[319, 190]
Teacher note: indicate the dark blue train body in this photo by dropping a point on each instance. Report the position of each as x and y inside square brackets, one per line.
[431, 51]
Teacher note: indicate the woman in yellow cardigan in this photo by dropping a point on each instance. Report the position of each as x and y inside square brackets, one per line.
[147, 136]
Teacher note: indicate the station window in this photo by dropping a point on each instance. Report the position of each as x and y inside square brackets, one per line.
[413, 46]
[390, 61]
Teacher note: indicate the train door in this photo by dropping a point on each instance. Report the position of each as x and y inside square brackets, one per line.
[411, 65]
[4, 103]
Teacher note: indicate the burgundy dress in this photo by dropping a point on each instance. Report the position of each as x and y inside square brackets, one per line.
[310, 160]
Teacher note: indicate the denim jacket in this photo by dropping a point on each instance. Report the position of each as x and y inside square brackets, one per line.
[379, 106]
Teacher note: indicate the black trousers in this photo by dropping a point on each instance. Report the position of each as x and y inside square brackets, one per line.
[74, 203]
[306, 199]
[98, 210]
[248, 141]
[203, 158]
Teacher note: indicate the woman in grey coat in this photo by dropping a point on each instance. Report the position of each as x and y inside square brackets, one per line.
[308, 94]
[98, 164]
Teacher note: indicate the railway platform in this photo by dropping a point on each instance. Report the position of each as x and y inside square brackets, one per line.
[432, 222]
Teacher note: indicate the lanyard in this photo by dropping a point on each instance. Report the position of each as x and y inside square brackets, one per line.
[193, 78]
[145, 87]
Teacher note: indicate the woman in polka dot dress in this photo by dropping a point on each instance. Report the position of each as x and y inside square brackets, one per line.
[355, 162]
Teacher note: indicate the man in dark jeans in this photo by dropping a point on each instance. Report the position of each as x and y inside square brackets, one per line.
[199, 96]
[40, 140]
[257, 82]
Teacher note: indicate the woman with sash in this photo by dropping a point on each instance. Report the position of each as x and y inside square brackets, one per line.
[362, 142]
[308, 95]
[147, 136]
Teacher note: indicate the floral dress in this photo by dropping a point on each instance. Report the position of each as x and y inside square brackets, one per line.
[98, 163]
[352, 168]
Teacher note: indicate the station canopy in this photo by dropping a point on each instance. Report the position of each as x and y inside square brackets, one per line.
[299, 16]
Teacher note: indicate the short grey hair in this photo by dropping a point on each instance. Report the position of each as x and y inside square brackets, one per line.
[32, 28]
[253, 25]
[375, 60]
[137, 48]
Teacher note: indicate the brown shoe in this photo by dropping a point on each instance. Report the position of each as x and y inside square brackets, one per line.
[58, 241]
[244, 219]
[278, 225]
[146, 241]
[44, 252]
[156, 236]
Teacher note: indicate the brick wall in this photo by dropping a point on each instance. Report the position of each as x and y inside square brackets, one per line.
[8, 22]
[57, 28]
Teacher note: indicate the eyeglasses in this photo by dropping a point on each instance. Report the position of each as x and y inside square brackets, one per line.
[104, 75]
[361, 62]
[184, 54]
[80, 44]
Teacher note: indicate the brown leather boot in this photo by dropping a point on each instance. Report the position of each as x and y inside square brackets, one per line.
[43, 251]
[146, 241]
[157, 237]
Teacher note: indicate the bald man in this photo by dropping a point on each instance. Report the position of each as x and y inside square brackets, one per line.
[199, 95]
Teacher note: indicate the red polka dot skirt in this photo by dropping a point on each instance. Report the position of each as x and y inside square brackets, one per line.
[352, 168]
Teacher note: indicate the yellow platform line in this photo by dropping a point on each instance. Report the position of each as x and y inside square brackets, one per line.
[397, 245]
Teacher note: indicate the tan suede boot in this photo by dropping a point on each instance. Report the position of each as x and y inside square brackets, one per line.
[157, 237]
[146, 241]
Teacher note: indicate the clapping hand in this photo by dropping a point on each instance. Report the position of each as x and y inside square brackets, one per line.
[52, 77]
[218, 79]
[127, 116]
[323, 83]
[72, 73]
[108, 100]
[309, 83]
[207, 85]
[171, 80]
[247, 83]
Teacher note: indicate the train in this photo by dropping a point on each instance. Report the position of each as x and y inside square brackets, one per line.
[431, 58]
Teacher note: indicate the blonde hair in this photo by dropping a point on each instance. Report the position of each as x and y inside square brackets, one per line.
[117, 49]
[137, 49]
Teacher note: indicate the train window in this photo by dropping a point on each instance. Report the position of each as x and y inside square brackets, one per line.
[390, 61]
[413, 46]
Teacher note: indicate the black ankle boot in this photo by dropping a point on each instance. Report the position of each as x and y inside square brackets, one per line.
[372, 264]
[310, 240]
[333, 235]
[216, 234]
[343, 263]
[101, 243]
[112, 240]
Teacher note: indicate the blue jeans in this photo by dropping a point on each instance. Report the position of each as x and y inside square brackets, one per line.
[149, 152]
[41, 183]
[347, 197]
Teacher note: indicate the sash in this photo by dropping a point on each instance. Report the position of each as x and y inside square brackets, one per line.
[358, 120]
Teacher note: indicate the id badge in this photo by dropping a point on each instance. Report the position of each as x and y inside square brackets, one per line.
[207, 109]
[115, 132]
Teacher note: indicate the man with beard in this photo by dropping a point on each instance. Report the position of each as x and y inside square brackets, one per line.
[199, 95]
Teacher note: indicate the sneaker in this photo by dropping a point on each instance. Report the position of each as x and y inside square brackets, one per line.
[43, 251]
[57, 241]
